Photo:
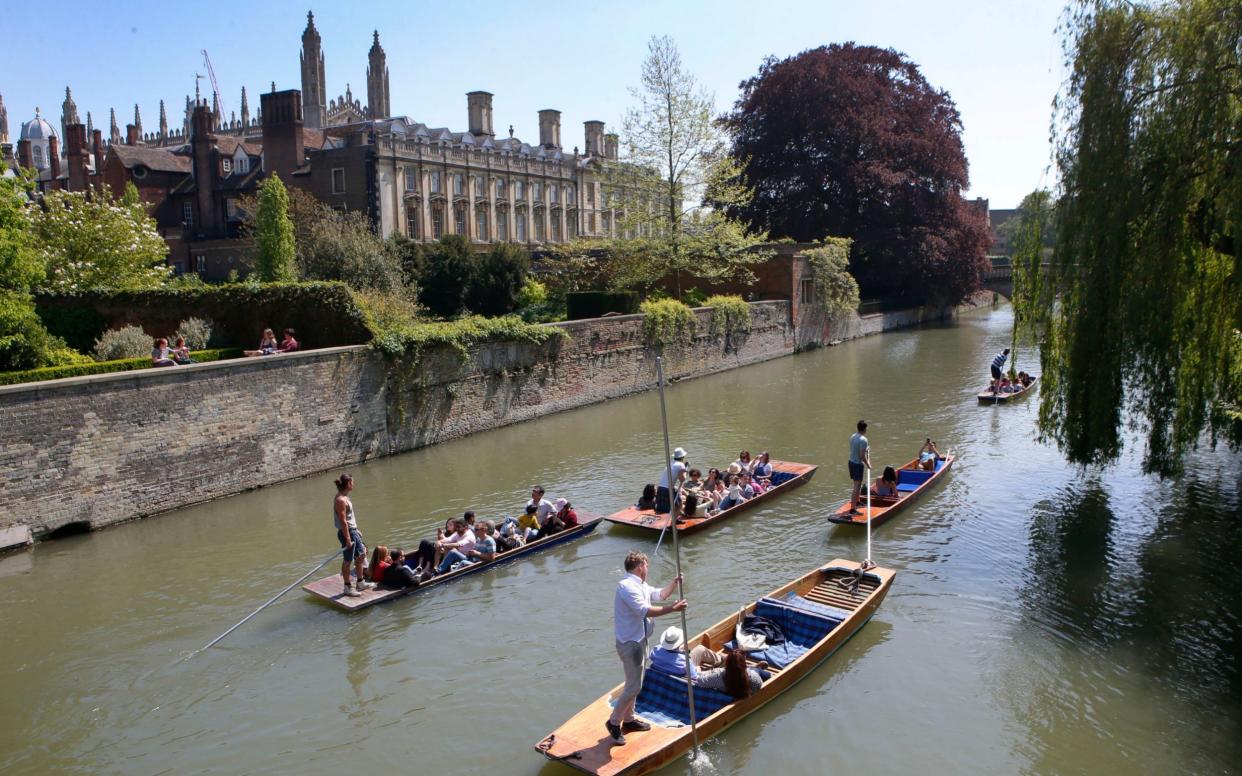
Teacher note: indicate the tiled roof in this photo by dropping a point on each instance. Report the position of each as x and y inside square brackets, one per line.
[158, 159]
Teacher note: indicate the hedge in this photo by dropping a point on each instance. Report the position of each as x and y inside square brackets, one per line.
[104, 367]
[593, 304]
[324, 314]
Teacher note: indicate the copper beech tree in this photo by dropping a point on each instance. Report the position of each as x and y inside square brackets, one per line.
[852, 141]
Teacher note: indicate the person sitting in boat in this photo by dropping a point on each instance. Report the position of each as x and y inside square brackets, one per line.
[561, 518]
[1005, 385]
[713, 488]
[747, 483]
[379, 561]
[677, 466]
[744, 462]
[528, 524]
[482, 547]
[734, 678]
[648, 499]
[928, 455]
[460, 541]
[669, 657]
[733, 494]
[396, 574]
[693, 507]
[508, 536]
[886, 486]
[763, 469]
[543, 507]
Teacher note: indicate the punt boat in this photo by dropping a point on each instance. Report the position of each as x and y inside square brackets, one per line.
[332, 589]
[987, 397]
[786, 475]
[817, 613]
[912, 482]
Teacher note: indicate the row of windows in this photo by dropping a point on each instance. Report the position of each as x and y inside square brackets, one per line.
[458, 182]
[520, 232]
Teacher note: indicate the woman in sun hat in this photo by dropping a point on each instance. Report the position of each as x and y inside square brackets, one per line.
[664, 503]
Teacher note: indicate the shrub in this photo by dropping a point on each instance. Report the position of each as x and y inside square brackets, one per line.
[412, 338]
[24, 342]
[447, 274]
[90, 367]
[197, 333]
[667, 322]
[593, 304]
[497, 280]
[836, 290]
[342, 246]
[695, 298]
[274, 240]
[729, 314]
[125, 342]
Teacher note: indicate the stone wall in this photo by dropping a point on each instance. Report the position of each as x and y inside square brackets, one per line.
[92, 451]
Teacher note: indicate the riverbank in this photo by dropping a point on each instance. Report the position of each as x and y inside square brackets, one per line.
[84, 453]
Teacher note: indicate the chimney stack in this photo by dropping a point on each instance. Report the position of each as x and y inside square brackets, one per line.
[53, 156]
[479, 110]
[97, 147]
[550, 128]
[284, 147]
[594, 138]
[23, 155]
[203, 153]
[131, 135]
[76, 155]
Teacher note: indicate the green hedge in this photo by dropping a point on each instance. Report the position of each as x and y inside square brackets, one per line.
[323, 314]
[593, 304]
[104, 367]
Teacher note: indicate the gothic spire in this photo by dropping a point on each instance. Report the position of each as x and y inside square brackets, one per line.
[377, 81]
[314, 85]
[163, 122]
[90, 125]
[138, 121]
[4, 121]
[68, 113]
[114, 133]
[245, 109]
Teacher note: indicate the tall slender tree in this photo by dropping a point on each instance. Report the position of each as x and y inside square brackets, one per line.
[274, 239]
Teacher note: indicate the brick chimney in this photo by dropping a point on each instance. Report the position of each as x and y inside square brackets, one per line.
[53, 156]
[284, 149]
[76, 156]
[131, 135]
[479, 113]
[203, 149]
[23, 155]
[97, 148]
[594, 137]
[550, 128]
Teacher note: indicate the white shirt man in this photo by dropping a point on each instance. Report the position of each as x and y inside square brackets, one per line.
[543, 507]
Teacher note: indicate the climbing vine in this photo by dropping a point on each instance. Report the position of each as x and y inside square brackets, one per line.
[667, 322]
[730, 315]
[836, 290]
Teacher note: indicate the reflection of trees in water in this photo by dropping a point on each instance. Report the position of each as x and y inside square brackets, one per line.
[1170, 608]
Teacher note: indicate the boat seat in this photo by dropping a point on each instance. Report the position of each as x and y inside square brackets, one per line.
[780, 478]
[909, 480]
[664, 700]
[807, 605]
[802, 628]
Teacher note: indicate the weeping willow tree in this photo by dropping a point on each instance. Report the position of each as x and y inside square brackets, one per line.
[1139, 306]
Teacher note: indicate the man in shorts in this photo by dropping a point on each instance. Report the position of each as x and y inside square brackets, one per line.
[860, 463]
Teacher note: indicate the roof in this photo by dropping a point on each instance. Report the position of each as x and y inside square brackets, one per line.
[158, 159]
[228, 146]
[37, 129]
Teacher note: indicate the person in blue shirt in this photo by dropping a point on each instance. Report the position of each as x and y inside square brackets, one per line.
[998, 365]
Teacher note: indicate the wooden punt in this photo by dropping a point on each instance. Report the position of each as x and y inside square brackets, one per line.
[786, 474]
[987, 397]
[332, 589]
[822, 603]
[912, 482]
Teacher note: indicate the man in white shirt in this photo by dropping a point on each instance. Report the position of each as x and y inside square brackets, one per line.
[664, 503]
[543, 507]
[632, 610]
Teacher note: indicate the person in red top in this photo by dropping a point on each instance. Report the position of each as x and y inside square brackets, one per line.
[379, 561]
[565, 514]
[288, 344]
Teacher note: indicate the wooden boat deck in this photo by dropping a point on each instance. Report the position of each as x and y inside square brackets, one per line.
[987, 397]
[583, 743]
[884, 508]
[648, 518]
[332, 589]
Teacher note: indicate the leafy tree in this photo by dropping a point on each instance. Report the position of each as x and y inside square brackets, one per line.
[93, 241]
[410, 255]
[853, 141]
[342, 246]
[21, 267]
[274, 233]
[304, 211]
[676, 153]
[836, 291]
[497, 280]
[447, 276]
[130, 196]
[1140, 308]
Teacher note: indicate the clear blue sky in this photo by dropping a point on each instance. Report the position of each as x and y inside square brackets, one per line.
[1000, 61]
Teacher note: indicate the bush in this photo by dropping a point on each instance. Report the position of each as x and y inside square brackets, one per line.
[497, 280]
[536, 305]
[197, 333]
[593, 304]
[729, 314]
[24, 342]
[341, 246]
[104, 367]
[667, 322]
[836, 290]
[125, 342]
[695, 298]
[447, 274]
[412, 338]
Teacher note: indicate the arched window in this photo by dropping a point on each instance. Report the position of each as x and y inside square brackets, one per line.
[38, 156]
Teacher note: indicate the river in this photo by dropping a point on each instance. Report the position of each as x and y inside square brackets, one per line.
[1043, 619]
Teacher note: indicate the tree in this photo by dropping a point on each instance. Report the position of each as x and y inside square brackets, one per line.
[675, 150]
[448, 272]
[497, 280]
[274, 233]
[852, 141]
[836, 291]
[1138, 313]
[342, 246]
[89, 240]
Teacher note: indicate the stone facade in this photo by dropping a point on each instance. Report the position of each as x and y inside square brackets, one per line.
[91, 451]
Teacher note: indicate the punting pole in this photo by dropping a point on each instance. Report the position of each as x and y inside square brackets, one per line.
[271, 601]
[672, 521]
[868, 513]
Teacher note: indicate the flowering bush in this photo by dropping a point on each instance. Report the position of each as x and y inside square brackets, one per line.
[97, 242]
[125, 342]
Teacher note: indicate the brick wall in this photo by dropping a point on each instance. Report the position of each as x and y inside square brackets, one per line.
[103, 449]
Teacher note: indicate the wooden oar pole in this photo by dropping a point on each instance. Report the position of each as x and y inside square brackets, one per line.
[673, 489]
[868, 513]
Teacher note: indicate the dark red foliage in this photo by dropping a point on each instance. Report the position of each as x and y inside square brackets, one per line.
[851, 141]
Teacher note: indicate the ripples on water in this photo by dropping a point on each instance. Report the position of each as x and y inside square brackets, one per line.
[1042, 620]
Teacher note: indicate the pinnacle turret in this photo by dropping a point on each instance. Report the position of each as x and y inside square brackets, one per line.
[377, 81]
[114, 132]
[163, 122]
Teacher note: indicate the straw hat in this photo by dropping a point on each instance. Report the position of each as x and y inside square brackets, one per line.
[672, 639]
[734, 468]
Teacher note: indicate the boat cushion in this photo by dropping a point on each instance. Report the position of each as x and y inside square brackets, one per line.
[807, 605]
[940, 463]
[909, 480]
[803, 629]
[664, 700]
[780, 478]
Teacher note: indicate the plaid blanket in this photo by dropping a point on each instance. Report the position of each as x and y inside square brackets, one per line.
[664, 700]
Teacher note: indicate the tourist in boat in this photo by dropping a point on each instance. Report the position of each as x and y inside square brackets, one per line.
[543, 507]
[997, 364]
[689, 508]
[648, 499]
[743, 462]
[733, 495]
[669, 656]
[380, 559]
[181, 353]
[161, 355]
[528, 524]
[928, 455]
[860, 462]
[1005, 385]
[396, 574]
[1026, 379]
[481, 547]
[267, 345]
[664, 490]
[734, 678]
[694, 482]
[633, 608]
[713, 488]
[886, 486]
[425, 559]
[347, 533]
[508, 536]
[564, 517]
[462, 541]
[745, 482]
[763, 469]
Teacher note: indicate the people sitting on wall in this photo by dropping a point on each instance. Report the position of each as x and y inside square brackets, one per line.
[181, 353]
[886, 486]
[161, 355]
[267, 345]
[287, 343]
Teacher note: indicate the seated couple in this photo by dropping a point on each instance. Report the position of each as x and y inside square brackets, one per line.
[460, 541]
[162, 355]
[724, 671]
[269, 347]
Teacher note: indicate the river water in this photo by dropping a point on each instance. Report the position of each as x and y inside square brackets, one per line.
[1043, 619]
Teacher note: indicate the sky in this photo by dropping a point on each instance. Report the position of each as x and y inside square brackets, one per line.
[1000, 61]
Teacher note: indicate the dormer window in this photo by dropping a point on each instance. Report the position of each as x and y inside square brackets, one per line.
[227, 165]
[242, 164]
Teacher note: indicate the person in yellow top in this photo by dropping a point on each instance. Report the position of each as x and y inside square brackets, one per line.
[528, 524]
